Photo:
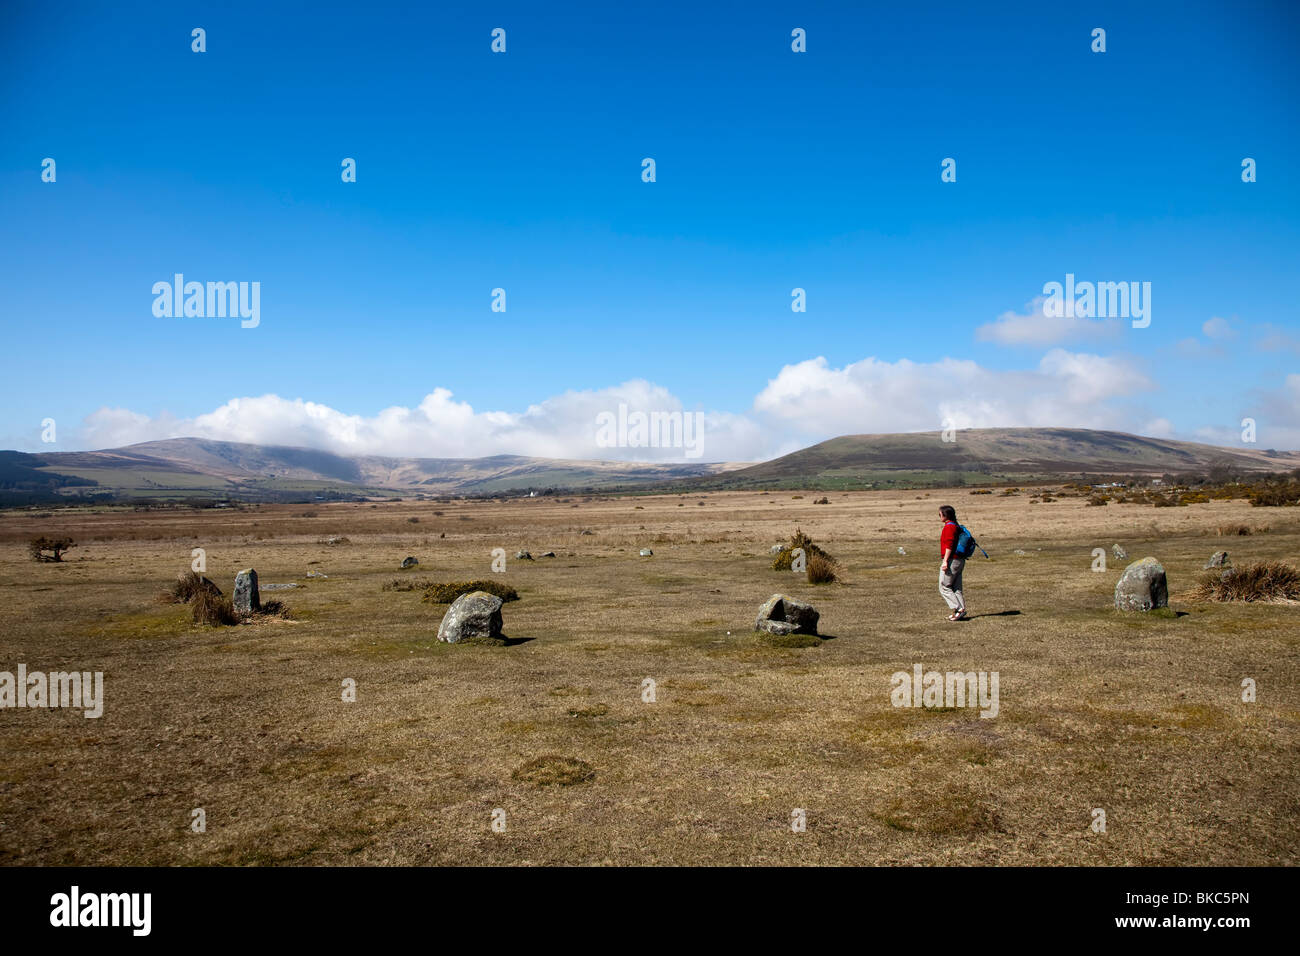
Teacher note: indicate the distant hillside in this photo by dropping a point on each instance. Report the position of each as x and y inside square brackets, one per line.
[189, 468]
[981, 455]
[195, 468]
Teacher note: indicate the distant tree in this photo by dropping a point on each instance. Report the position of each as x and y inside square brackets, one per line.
[55, 546]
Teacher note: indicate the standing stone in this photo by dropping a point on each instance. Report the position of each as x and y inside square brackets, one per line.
[1142, 587]
[246, 598]
[475, 616]
[784, 615]
[1119, 553]
[1218, 560]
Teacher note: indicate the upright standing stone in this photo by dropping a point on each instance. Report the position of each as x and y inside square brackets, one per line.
[1142, 587]
[246, 598]
[475, 616]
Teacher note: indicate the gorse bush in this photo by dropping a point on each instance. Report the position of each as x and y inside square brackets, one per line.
[1270, 581]
[448, 591]
[38, 547]
[785, 560]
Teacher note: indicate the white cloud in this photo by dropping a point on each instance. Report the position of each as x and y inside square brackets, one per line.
[1274, 339]
[1066, 389]
[805, 402]
[1036, 328]
[1218, 328]
[563, 426]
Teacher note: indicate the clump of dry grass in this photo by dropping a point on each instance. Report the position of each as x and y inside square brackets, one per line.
[554, 769]
[189, 584]
[1232, 529]
[212, 608]
[821, 569]
[407, 584]
[274, 609]
[448, 591]
[1268, 581]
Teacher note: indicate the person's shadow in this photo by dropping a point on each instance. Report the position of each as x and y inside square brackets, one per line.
[993, 614]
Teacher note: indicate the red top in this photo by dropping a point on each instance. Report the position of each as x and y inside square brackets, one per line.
[948, 537]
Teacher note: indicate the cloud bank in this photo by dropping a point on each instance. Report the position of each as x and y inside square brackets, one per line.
[805, 402]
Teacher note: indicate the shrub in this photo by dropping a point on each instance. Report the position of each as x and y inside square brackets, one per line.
[1275, 497]
[56, 546]
[215, 609]
[1233, 529]
[1096, 501]
[982, 491]
[448, 591]
[185, 587]
[821, 569]
[785, 560]
[822, 501]
[1266, 581]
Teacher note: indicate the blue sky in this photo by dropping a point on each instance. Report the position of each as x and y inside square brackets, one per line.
[522, 170]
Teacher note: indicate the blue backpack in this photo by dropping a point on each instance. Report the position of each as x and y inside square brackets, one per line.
[965, 545]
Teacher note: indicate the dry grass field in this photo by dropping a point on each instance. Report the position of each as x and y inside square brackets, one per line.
[1139, 715]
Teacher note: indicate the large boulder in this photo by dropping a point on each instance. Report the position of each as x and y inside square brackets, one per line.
[475, 616]
[246, 599]
[1142, 587]
[782, 615]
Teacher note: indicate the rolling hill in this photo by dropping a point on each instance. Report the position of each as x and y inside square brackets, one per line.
[193, 467]
[190, 467]
[981, 455]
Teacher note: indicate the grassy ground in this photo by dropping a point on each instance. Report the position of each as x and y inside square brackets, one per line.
[1140, 716]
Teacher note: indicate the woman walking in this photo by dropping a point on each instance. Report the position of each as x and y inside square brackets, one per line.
[951, 564]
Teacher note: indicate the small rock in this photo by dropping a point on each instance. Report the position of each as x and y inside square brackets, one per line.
[1020, 552]
[548, 554]
[278, 587]
[646, 552]
[246, 598]
[776, 549]
[1119, 553]
[585, 531]
[317, 574]
[902, 552]
[523, 556]
[784, 615]
[410, 562]
[1218, 560]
